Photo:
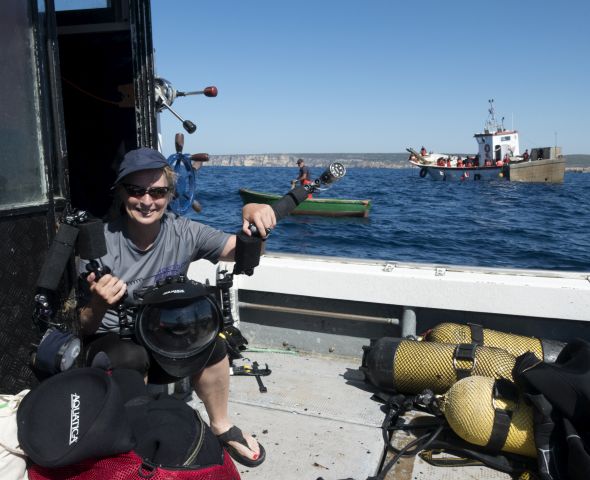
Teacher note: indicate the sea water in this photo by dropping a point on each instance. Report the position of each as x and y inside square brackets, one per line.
[490, 224]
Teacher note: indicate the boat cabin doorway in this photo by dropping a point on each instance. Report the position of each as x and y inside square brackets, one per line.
[79, 93]
[106, 70]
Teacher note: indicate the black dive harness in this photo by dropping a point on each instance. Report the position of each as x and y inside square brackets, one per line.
[395, 407]
[435, 438]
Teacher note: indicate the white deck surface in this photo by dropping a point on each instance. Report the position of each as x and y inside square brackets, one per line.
[316, 420]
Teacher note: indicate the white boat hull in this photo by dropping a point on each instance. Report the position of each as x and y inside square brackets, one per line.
[460, 174]
[540, 294]
[447, 174]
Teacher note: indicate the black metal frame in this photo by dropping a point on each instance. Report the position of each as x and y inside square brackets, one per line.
[27, 232]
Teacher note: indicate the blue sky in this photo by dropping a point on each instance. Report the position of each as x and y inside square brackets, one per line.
[374, 76]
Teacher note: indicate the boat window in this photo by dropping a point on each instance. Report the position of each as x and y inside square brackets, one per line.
[505, 139]
[22, 174]
[63, 5]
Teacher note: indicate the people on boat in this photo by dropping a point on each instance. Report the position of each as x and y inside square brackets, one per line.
[448, 161]
[423, 151]
[499, 163]
[525, 155]
[441, 161]
[460, 162]
[468, 162]
[476, 161]
[506, 159]
[145, 244]
[487, 163]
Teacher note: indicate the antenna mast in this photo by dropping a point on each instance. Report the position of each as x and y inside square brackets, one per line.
[492, 124]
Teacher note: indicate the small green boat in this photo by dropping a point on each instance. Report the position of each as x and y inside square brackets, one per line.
[325, 207]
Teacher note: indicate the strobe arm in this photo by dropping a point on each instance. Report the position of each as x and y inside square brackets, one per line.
[248, 248]
[333, 173]
[58, 348]
[285, 205]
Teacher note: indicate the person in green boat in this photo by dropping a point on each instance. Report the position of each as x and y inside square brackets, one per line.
[304, 177]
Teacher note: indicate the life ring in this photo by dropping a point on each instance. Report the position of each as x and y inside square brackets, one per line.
[423, 172]
[487, 148]
[185, 185]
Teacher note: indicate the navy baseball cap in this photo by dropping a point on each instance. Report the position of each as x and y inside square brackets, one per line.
[140, 159]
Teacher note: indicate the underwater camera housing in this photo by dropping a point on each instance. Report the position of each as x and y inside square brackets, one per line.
[178, 321]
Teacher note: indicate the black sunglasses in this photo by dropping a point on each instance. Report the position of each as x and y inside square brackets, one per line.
[138, 192]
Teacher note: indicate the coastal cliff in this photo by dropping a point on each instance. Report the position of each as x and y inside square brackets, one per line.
[350, 160]
[577, 163]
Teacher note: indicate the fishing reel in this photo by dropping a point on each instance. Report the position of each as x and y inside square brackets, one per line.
[166, 94]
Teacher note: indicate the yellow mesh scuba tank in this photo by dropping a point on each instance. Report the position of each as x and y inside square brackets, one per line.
[546, 350]
[410, 366]
[490, 413]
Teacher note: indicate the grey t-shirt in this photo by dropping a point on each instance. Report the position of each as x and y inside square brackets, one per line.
[179, 242]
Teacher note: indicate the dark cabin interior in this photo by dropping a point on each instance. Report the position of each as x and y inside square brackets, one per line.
[96, 66]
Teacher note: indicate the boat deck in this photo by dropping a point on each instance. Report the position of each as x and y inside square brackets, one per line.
[317, 420]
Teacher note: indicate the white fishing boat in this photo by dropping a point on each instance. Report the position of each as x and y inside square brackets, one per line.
[498, 150]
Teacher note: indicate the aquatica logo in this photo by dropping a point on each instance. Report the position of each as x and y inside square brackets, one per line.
[74, 417]
[173, 291]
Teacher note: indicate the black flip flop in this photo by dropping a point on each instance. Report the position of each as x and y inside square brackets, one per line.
[234, 434]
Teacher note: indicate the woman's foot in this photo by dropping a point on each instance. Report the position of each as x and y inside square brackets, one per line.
[246, 451]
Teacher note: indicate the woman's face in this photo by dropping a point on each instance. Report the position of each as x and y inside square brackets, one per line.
[144, 197]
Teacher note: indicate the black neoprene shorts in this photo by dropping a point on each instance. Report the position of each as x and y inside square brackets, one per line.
[129, 354]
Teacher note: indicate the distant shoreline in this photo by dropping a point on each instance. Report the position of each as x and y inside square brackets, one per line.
[574, 163]
[398, 167]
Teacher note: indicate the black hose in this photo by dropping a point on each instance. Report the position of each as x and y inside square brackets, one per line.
[428, 438]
